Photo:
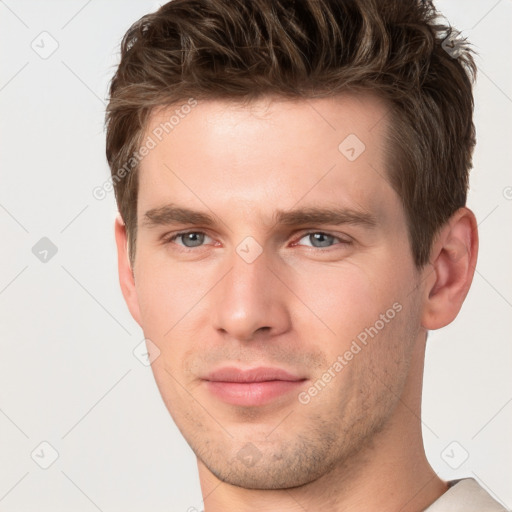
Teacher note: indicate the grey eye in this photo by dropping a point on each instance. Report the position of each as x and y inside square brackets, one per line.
[320, 239]
[192, 239]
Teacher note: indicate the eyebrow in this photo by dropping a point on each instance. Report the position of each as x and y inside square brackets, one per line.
[173, 214]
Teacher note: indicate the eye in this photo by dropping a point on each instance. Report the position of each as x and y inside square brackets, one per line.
[189, 239]
[319, 239]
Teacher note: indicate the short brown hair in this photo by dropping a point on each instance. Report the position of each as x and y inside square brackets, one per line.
[246, 49]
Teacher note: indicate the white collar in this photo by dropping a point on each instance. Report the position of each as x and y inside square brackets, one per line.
[465, 495]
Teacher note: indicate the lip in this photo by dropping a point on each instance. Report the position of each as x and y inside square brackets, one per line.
[251, 387]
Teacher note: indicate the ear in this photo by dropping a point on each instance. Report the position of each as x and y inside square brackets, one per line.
[451, 269]
[126, 277]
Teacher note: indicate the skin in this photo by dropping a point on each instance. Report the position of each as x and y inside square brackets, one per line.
[357, 444]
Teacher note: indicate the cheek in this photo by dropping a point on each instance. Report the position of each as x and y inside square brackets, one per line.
[166, 293]
[158, 297]
[168, 299]
[344, 300]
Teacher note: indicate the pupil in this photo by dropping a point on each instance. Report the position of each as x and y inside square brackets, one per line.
[193, 239]
[321, 239]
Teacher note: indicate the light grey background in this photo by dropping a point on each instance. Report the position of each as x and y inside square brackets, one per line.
[68, 375]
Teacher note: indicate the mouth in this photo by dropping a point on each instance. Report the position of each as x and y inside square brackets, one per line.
[251, 387]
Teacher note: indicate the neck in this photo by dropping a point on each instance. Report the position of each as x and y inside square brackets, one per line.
[390, 473]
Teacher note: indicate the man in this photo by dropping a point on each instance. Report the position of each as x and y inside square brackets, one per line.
[291, 178]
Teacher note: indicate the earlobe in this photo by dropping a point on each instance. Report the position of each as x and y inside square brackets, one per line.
[450, 273]
[126, 276]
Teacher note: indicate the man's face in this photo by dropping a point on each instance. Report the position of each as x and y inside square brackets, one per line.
[259, 287]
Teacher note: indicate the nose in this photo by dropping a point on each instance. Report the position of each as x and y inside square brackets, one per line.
[251, 301]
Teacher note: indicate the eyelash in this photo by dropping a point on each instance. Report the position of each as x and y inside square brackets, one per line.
[171, 238]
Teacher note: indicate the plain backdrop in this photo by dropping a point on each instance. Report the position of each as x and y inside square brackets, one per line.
[68, 376]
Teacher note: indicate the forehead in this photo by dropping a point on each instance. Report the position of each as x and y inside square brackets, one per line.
[267, 153]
